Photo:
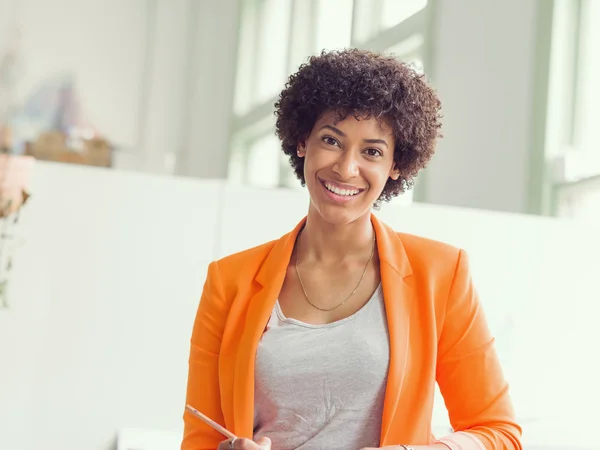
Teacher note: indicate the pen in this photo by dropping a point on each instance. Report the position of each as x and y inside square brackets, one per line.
[211, 423]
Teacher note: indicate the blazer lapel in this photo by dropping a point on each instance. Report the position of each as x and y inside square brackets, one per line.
[398, 295]
[270, 279]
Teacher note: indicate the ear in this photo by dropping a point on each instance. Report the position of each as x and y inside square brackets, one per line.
[394, 173]
[301, 149]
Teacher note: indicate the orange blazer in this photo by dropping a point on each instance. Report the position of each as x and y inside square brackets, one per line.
[438, 333]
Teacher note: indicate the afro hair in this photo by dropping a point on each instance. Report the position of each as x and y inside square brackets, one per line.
[366, 85]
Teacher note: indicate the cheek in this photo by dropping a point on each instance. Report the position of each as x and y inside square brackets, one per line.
[307, 166]
[315, 160]
[377, 178]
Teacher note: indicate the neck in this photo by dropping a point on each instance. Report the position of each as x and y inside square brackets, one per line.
[323, 241]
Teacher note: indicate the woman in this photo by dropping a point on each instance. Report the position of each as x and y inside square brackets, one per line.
[334, 336]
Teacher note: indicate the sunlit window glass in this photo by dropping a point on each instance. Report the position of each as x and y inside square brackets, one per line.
[272, 48]
[334, 24]
[395, 11]
[263, 161]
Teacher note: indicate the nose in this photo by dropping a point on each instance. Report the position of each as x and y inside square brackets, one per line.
[346, 166]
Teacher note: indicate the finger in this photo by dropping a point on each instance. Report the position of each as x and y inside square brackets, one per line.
[244, 444]
[265, 443]
[224, 445]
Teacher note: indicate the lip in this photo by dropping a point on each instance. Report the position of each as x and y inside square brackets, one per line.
[342, 199]
[341, 185]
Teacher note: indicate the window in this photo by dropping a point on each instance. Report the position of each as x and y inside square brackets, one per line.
[585, 133]
[394, 12]
[303, 28]
[262, 58]
[271, 49]
[573, 145]
[333, 25]
[410, 51]
[579, 202]
[263, 161]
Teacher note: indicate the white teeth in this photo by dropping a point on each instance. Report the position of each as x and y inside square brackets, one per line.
[344, 192]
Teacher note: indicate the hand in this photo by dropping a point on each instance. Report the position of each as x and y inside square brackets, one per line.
[387, 447]
[414, 447]
[263, 443]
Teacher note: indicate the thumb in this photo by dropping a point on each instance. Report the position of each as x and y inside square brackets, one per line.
[265, 443]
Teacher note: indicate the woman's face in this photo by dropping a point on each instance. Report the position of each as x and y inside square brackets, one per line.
[347, 164]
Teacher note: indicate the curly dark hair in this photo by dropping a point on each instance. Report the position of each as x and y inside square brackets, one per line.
[364, 84]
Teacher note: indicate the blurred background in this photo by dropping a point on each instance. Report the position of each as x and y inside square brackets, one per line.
[143, 130]
[187, 88]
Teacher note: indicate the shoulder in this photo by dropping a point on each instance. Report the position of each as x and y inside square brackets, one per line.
[416, 246]
[441, 272]
[244, 263]
[431, 257]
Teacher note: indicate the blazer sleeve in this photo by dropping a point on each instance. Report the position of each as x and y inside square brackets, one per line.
[468, 369]
[203, 391]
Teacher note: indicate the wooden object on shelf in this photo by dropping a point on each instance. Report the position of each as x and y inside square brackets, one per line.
[53, 146]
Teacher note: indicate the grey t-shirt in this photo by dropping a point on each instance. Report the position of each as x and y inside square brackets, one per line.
[323, 386]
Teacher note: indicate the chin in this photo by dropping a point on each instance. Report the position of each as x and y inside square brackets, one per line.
[337, 215]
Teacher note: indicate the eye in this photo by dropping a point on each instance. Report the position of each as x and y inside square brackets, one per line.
[330, 141]
[373, 152]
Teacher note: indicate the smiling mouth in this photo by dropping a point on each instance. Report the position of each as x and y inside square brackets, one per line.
[340, 191]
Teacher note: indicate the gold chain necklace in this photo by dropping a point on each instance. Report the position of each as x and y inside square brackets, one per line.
[351, 293]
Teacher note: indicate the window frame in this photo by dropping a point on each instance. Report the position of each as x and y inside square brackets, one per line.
[561, 150]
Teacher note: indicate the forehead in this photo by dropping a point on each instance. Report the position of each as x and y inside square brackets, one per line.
[355, 124]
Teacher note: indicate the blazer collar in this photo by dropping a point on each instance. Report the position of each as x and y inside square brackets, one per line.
[390, 248]
[279, 257]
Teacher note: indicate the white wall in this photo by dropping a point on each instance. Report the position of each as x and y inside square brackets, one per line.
[105, 289]
[164, 95]
[103, 297]
[483, 68]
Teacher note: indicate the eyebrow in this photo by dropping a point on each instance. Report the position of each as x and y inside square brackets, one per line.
[341, 133]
